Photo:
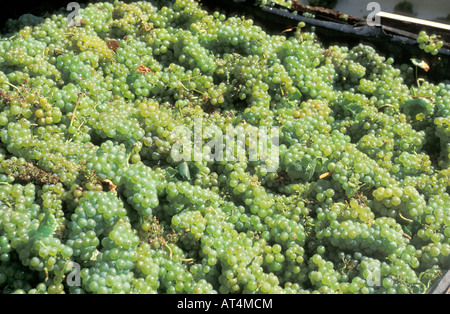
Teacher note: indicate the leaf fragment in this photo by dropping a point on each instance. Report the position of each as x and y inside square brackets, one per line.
[113, 44]
[421, 64]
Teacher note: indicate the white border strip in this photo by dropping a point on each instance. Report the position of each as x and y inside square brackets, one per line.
[413, 20]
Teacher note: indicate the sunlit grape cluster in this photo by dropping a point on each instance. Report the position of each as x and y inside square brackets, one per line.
[430, 43]
[93, 199]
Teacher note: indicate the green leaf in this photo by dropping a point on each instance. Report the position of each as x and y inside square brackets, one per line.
[184, 170]
[46, 228]
[295, 171]
[171, 173]
[309, 170]
[297, 96]
[415, 106]
[421, 64]
[302, 170]
[412, 228]
[305, 162]
[354, 108]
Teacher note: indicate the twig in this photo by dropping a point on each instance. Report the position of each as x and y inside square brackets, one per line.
[75, 109]
[409, 220]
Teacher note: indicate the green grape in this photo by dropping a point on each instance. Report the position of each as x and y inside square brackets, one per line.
[356, 200]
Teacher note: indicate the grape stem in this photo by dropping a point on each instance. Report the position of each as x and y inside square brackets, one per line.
[409, 220]
[170, 250]
[195, 90]
[75, 109]
[385, 105]
[73, 115]
[133, 150]
[12, 85]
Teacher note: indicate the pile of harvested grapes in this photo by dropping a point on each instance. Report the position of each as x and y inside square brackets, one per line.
[154, 147]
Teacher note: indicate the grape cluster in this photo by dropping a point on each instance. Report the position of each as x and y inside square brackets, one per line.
[97, 194]
[140, 189]
[96, 213]
[111, 272]
[429, 43]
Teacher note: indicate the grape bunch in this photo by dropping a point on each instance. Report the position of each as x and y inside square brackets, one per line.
[429, 43]
[159, 147]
